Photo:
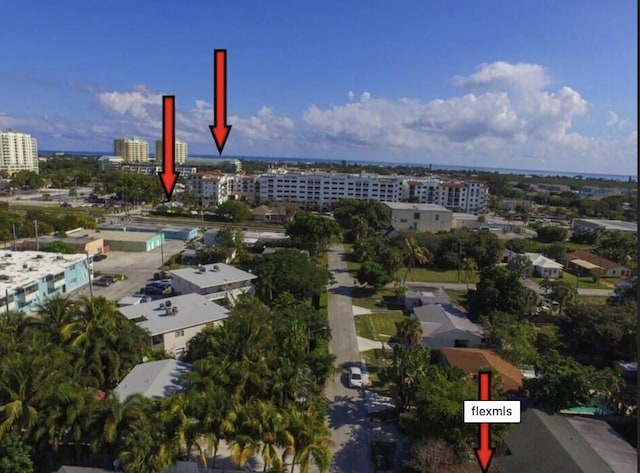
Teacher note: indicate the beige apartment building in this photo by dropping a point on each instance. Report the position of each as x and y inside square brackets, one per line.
[18, 152]
[180, 151]
[131, 149]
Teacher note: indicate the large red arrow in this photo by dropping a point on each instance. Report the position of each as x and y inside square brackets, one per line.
[220, 130]
[168, 175]
[484, 453]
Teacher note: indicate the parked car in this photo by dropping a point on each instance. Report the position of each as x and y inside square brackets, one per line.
[105, 282]
[355, 377]
[99, 257]
[153, 290]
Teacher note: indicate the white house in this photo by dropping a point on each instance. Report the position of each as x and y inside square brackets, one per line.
[172, 322]
[544, 267]
[217, 282]
[154, 379]
[419, 217]
[445, 326]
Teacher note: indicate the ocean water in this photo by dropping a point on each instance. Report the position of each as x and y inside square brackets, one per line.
[195, 160]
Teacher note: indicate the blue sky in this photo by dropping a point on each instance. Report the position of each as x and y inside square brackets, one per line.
[532, 84]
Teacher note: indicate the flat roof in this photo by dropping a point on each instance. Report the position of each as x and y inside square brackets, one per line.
[72, 239]
[418, 207]
[192, 310]
[213, 275]
[154, 379]
[22, 268]
[107, 235]
[612, 224]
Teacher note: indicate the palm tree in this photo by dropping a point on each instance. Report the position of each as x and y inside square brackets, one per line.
[410, 331]
[55, 313]
[312, 442]
[469, 266]
[413, 253]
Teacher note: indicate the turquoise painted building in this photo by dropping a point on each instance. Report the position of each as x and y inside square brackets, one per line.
[30, 278]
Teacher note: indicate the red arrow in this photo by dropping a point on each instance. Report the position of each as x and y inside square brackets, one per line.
[168, 175]
[485, 452]
[220, 130]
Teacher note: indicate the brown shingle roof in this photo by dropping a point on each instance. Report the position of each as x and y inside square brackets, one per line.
[585, 255]
[472, 360]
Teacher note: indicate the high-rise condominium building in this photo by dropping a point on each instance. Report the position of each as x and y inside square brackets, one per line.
[180, 151]
[18, 152]
[131, 149]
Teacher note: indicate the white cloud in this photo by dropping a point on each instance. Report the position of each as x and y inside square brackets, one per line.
[615, 122]
[521, 76]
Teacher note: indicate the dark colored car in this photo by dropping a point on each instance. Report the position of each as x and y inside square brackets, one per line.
[106, 282]
[99, 257]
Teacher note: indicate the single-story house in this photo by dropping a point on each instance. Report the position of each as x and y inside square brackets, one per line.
[217, 282]
[445, 326]
[417, 296]
[544, 267]
[583, 262]
[129, 241]
[81, 242]
[554, 443]
[154, 379]
[265, 213]
[173, 321]
[473, 360]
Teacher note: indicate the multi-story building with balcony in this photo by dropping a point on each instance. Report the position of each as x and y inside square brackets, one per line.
[320, 189]
[18, 152]
[458, 196]
[210, 188]
[131, 149]
[29, 278]
[180, 151]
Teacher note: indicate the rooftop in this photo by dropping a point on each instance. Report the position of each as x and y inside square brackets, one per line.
[19, 268]
[613, 224]
[472, 360]
[542, 261]
[174, 313]
[213, 275]
[442, 318]
[553, 444]
[416, 207]
[594, 260]
[122, 236]
[155, 379]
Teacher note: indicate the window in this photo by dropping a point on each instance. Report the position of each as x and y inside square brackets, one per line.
[416, 216]
[437, 217]
[179, 333]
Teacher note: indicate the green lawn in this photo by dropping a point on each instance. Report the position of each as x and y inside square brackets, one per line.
[379, 326]
[584, 282]
[365, 297]
[431, 275]
[376, 361]
[457, 297]
[594, 300]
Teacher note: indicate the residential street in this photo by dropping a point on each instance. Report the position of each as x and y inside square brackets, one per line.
[526, 282]
[347, 412]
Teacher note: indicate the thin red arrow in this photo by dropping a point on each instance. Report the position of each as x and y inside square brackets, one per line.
[168, 175]
[484, 453]
[220, 130]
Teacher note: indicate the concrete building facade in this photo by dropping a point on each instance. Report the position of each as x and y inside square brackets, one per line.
[131, 149]
[420, 217]
[130, 241]
[18, 152]
[81, 243]
[180, 151]
[30, 278]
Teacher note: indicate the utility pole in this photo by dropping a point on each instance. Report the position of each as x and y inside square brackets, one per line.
[459, 258]
[89, 273]
[35, 223]
[15, 247]
[162, 251]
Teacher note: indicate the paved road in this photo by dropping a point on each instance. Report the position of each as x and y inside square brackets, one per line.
[347, 411]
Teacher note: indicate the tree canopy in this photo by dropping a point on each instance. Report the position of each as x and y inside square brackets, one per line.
[311, 232]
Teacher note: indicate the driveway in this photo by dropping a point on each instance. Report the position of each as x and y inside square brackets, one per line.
[347, 410]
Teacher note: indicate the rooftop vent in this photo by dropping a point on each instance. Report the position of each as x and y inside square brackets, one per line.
[25, 266]
[168, 303]
[162, 305]
[201, 269]
[215, 268]
[174, 310]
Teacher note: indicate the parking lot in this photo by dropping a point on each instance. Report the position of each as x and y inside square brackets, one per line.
[137, 267]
